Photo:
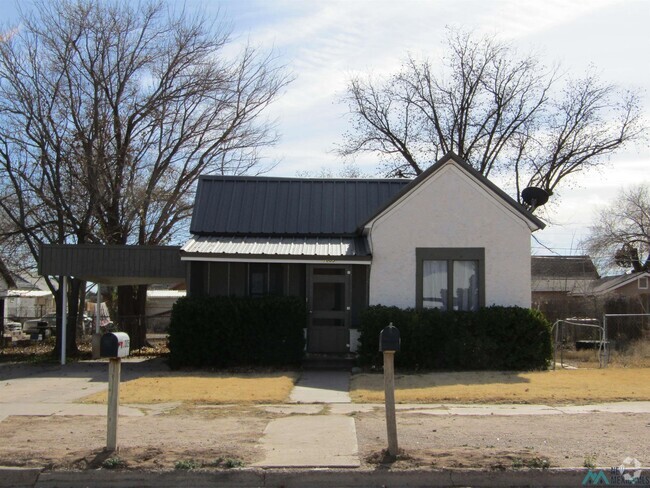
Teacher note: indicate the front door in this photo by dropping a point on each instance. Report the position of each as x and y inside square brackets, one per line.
[328, 301]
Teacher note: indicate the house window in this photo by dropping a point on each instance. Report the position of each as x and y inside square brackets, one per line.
[258, 279]
[643, 283]
[265, 279]
[450, 278]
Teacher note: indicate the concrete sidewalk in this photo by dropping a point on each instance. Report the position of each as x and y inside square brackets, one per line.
[322, 387]
[308, 437]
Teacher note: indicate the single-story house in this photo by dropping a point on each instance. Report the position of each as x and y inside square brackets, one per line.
[30, 298]
[7, 283]
[632, 285]
[448, 239]
[626, 293]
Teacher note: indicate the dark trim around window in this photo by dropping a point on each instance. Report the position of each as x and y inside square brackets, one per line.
[449, 254]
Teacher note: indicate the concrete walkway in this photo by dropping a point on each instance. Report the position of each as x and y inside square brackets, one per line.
[57, 390]
[310, 441]
[322, 387]
[316, 438]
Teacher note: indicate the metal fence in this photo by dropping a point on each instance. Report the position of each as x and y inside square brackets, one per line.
[621, 338]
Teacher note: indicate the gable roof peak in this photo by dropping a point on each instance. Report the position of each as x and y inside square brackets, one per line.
[464, 165]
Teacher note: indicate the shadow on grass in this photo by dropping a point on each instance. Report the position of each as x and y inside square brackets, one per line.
[374, 382]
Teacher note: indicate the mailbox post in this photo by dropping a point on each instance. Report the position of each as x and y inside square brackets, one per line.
[115, 346]
[389, 344]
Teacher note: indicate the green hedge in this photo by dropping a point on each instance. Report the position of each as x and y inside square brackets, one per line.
[495, 338]
[227, 331]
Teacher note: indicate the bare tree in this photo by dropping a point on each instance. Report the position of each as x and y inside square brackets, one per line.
[111, 111]
[622, 230]
[499, 111]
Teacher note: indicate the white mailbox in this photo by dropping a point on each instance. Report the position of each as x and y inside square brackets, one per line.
[114, 345]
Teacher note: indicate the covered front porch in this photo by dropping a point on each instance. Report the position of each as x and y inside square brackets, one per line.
[331, 276]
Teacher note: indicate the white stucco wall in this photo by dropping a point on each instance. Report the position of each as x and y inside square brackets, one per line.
[450, 209]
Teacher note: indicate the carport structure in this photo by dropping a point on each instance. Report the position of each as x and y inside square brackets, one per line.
[109, 265]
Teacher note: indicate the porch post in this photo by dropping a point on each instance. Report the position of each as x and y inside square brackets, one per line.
[64, 317]
[97, 308]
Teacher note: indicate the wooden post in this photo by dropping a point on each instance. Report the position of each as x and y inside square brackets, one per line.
[114, 367]
[389, 397]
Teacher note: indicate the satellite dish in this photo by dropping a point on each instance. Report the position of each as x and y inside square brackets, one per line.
[534, 197]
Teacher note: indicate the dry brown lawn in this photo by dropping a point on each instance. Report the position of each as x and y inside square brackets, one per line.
[205, 388]
[546, 387]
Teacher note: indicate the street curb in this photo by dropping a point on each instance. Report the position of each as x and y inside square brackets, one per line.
[293, 478]
[18, 477]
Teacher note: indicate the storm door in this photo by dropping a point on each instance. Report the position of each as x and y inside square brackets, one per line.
[328, 302]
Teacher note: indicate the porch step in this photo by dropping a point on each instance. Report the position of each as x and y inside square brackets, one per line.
[329, 361]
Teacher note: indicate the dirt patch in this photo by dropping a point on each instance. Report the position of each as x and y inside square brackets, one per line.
[151, 442]
[546, 387]
[209, 388]
[463, 457]
[506, 442]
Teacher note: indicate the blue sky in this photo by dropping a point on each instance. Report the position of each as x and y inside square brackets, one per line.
[324, 42]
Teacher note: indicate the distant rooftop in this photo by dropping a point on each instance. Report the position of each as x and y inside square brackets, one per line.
[581, 267]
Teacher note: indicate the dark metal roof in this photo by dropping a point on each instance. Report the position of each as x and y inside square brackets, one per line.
[574, 267]
[263, 206]
[113, 265]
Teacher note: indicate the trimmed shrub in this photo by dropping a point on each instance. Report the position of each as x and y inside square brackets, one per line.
[229, 331]
[493, 338]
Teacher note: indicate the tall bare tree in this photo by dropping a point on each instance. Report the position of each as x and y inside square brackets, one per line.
[109, 112]
[622, 230]
[501, 112]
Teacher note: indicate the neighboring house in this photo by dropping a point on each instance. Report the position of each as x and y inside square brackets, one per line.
[448, 239]
[159, 307]
[160, 302]
[626, 300]
[30, 299]
[632, 289]
[7, 283]
[560, 283]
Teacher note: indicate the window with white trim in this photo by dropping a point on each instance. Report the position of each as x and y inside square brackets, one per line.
[450, 278]
[643, 283]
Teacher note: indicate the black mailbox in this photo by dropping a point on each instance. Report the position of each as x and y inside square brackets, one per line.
[114, 345]
[389, 339]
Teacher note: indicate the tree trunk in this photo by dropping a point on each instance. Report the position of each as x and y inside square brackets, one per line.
[131, 303]
[74, 297]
